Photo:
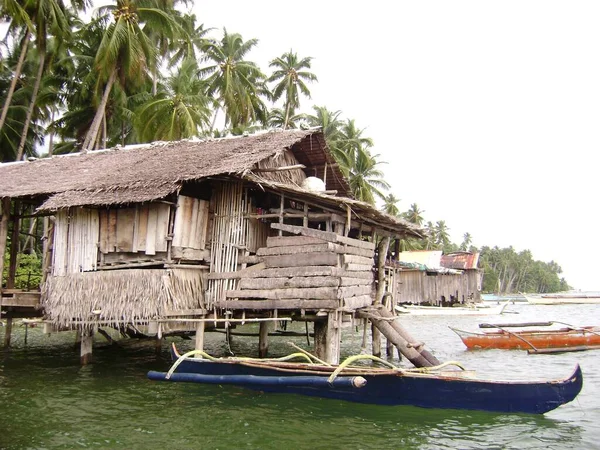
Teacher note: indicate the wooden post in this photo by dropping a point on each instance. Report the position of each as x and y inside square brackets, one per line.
[77, 338]
[375, 341]
[8, 332]
[4, 213]
[263, 339]
[382, 250]
[87, 340]
[199, 345]
[14, 247]
[332, 354]
[389, 348]
[327, 339]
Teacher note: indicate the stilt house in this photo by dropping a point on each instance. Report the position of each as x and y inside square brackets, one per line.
[173, 235]
[427, 277]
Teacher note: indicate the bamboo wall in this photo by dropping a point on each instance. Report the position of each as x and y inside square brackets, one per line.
[415, 286]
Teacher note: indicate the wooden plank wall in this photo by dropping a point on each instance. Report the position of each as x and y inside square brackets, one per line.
[415, 286]
[143, 228]
[191, 223]
[76, 236]
[307, 272]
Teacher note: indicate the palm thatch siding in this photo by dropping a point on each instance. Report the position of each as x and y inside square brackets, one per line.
[120, 297]
[282, 159]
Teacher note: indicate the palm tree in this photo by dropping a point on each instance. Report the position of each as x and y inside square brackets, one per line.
[328, 121]
[390, 205]
[413, 215]
[467, 241]
[190, 43]
[20, 27]
[441, 232]
[126, 54]
[237, 83]
[179, 112]
[290, 77]
[49, 17]
[366, 181]
[277, 119]
[349, 144]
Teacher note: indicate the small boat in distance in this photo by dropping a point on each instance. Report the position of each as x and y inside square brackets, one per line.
[563, 298]
[532, 337]
[468, 309]
[433, 387]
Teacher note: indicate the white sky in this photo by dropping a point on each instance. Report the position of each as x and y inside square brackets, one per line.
[486, 112]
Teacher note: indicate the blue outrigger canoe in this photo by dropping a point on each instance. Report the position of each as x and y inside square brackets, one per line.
[382, 386]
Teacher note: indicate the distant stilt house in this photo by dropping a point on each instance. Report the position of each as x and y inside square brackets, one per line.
[429, 278]
[168, 237]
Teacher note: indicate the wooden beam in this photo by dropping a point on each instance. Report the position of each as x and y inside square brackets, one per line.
[281, 169]
[294, 282]
[325, 293]
[305, 259]
[285, 304]
[302, 271]
[325, 235]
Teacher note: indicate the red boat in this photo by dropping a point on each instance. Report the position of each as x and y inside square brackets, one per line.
[569, 338]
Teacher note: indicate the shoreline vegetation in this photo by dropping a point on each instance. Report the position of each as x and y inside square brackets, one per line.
[136, 71]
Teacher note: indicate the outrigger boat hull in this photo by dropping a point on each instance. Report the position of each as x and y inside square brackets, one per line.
[532, 339]
[447, 390]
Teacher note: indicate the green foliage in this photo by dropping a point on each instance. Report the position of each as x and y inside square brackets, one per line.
[29, 271]
[507, 271]
[101, 84]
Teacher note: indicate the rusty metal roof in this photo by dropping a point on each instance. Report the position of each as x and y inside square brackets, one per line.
[460, 260]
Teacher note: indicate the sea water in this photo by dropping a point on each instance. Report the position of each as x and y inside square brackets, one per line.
[49, 401]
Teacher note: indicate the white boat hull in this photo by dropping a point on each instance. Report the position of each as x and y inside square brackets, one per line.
[558, 299]
[475, 310]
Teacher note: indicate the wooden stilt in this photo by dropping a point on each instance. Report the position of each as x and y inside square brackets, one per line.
[389, 348]
[87, 340]
[327, 339]
[382, 250]
[8, 332]
[376, 341]
[332, 355]
[263, 339]
[199, 345]
[77, 338]
[320, 345]
[158, 344]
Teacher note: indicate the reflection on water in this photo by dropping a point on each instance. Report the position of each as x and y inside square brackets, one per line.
[47, 400]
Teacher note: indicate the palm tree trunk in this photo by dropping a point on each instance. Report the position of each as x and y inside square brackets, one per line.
[36, 88]
[17, 75]
[287, 115]
[92, 134]
[51, 139]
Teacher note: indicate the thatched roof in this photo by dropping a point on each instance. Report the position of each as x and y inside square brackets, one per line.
[142, 173]
[151, 171]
